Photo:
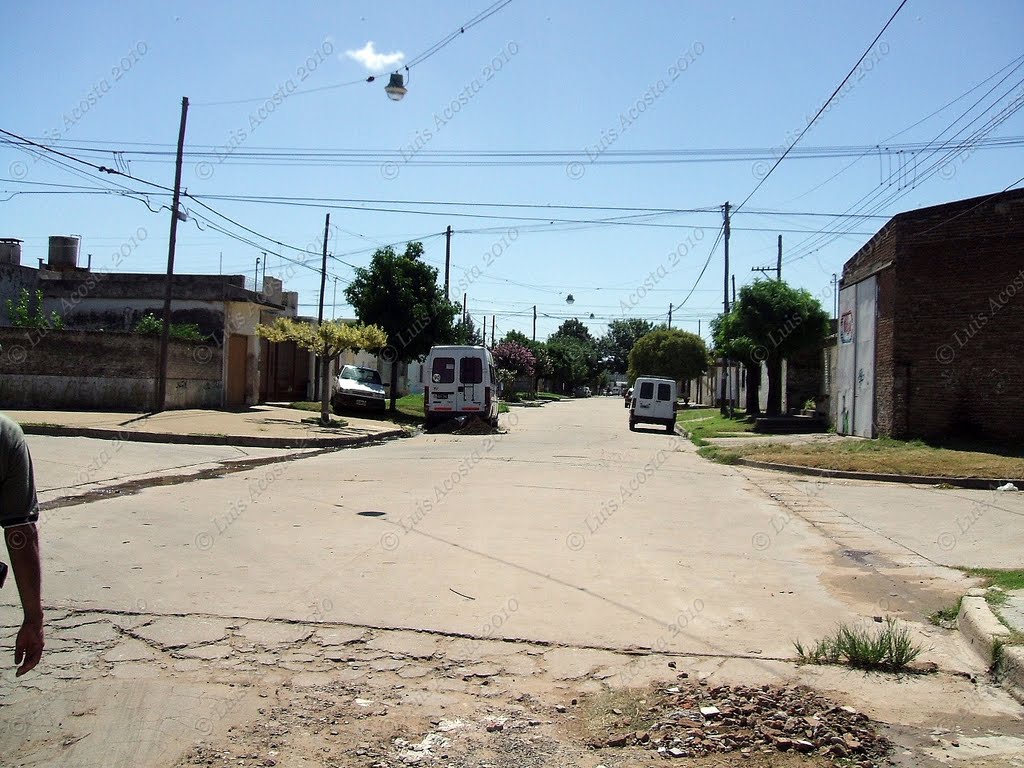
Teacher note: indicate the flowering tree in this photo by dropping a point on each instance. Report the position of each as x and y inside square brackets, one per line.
[514, 357]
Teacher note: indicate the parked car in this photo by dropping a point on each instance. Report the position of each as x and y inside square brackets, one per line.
[460, 381]
[582, 392]
[653, 402]
[357, 387]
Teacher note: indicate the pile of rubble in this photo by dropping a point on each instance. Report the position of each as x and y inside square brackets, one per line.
[695, 719]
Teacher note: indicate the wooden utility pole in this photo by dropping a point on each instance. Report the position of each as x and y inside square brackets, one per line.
[165, 333]
[778, 262]
[670, 315]
[726, 394]
[447, 257]
[534, 322]
[492, 330]
[320, 312]
[465, 313]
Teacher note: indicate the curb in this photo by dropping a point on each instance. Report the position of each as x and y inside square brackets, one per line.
[241, 441]
[977, 483]
[985, 633]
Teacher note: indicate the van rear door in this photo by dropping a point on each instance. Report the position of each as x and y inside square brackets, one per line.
[441, 391]
[471, 384]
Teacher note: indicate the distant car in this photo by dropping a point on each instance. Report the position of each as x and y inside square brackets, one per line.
[582, 392]
[357, 387]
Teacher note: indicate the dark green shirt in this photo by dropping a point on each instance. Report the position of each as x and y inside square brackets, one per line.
[18, 504]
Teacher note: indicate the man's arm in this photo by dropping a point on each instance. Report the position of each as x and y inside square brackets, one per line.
[23, 547]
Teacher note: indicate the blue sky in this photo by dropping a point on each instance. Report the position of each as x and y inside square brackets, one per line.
[579, 77]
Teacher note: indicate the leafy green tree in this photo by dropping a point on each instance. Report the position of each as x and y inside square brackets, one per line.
[465, 332]
[518, 337]
[668, 352]
[731, 343]
[780, 321]
[574, 329]
[24, 315]
[573, 361]
[327, 341]
[617, 342]
[399, 293]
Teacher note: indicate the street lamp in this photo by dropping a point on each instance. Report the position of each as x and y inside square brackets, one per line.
[395, 89]
[569, 299]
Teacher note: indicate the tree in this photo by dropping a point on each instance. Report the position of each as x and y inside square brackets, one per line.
[780, 321]
[327, 341]
[573, 329]
[668, 352]
[732, 344]
[400, 294]
[515, 357]
[616, 344]
[518, 337]
[23, 315]
[573, 362]
[465, 332]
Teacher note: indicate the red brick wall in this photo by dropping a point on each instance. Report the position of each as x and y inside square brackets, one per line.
[959, 317]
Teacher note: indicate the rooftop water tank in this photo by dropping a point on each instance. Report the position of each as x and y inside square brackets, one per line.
[63, 252]
[10, 250]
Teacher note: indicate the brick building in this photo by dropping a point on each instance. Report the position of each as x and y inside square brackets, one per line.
[931, 319]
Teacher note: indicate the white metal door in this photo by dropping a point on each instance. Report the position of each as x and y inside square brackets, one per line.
[864, 385]
[855, 366]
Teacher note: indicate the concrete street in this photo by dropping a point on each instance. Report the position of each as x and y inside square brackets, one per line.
[568, 530]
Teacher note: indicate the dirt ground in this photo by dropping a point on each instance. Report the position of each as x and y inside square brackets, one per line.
[143, 689]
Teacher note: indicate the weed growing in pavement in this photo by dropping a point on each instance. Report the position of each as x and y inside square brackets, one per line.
[890, 649]
[946, 617]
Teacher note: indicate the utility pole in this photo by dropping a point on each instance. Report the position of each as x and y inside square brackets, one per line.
[447, 257]
[734, 289]
[778, 262]
[835, 296]
[320, 313]
[334, 301]
[492, 330]
[670, 315]
[465, 313]
[726, 394]
[256, 277]
[535, 321]
[165, 333]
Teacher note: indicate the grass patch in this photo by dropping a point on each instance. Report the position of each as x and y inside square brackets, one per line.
[550, 396]
[890, 648]
[704, 423]
[946, 617]
[912, 457]
[998, 577]
[717, 453]
[305, 405]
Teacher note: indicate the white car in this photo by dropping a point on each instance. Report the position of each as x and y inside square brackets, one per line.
[357, 387]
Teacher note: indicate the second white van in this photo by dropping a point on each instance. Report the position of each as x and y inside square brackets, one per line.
[653, 402]
[459, 381]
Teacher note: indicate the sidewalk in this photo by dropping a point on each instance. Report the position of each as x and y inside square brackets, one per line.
[260, 426]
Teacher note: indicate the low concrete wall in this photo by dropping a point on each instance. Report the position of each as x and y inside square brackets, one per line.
[102, 370]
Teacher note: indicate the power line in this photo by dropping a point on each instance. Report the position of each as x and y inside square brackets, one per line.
[823, 107]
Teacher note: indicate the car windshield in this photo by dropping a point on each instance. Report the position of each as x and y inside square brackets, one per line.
[362, 375]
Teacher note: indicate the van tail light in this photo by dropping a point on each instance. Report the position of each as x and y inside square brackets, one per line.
[487, 397]
[426, 399]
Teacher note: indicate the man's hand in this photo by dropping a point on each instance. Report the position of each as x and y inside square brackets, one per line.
[28, 648]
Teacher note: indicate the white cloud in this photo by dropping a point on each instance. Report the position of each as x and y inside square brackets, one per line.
[373, 61]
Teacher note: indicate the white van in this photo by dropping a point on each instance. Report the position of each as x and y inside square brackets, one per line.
[653, 402]
[459, 381]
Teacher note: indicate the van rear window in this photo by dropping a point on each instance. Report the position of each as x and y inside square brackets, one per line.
[443, 370]
[664, 392]
[471, 370]
[647, 390]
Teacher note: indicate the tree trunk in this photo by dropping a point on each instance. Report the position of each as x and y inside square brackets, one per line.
[394, 384]
[774, 363]
[325, 390]
[753, 389]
